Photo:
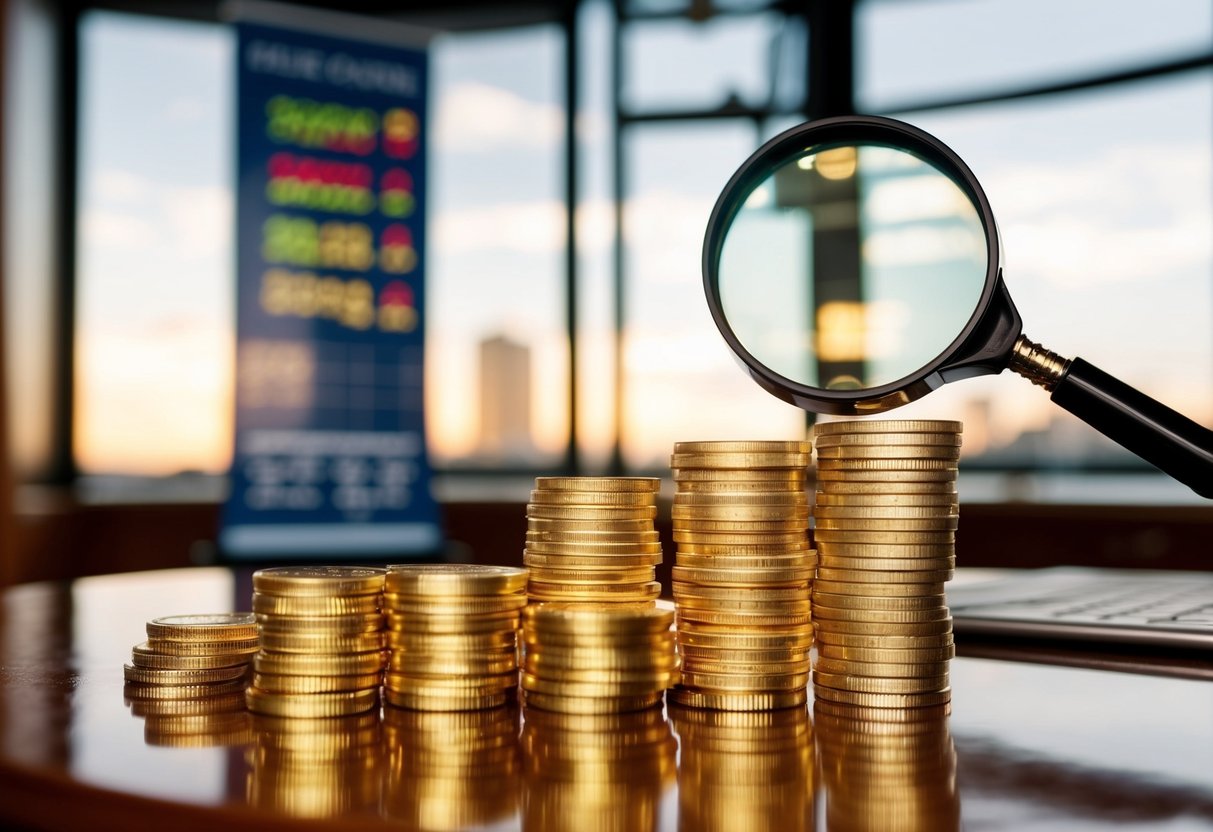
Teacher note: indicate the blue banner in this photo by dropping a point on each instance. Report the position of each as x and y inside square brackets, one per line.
[330, 448]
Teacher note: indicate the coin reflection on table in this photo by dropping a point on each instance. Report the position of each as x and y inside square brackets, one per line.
[886, 768]
[451, 770]
[591, 772]
[744, 770]
[315, 767]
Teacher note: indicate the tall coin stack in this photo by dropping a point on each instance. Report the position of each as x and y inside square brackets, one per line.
[593, 539]
[453, 635]
[886, 517]
[742, 573]
[585, 658]
[321, 641]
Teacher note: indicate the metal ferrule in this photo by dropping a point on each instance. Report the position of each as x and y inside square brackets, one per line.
[1037, 364]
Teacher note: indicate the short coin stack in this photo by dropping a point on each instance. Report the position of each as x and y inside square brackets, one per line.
[321, 641]
[191, 666]
[742, 573]
[453, 635]
[885, 527]
[586, 658]
[593, 539]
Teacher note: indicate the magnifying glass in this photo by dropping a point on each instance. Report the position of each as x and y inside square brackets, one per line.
[853, 265]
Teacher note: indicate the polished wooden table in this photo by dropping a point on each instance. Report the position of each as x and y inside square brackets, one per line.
[1026, 746]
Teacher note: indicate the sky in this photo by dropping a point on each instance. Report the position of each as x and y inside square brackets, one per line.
[1104, 201]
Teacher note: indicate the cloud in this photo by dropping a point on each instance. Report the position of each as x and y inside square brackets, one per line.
[473, 117]
[126, 211]
[113, 185]
[110, 229]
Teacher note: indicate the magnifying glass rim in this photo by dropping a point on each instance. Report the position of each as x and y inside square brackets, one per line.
[780, 150]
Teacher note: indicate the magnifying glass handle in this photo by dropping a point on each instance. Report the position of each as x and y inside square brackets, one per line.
[1153, 431]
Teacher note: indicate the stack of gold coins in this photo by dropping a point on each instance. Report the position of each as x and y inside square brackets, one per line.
[742, 573]
[321, 641]
[593, 539]
[596, 771]
[189, 658]
[584, 658]
[451, 771]
[453, 635]
[885, 526]
[887, 769]
[744, 771]
[316, 767]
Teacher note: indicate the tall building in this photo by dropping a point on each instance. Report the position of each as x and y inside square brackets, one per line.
[505, 399]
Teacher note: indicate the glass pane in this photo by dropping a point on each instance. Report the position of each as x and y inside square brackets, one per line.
[930, 49]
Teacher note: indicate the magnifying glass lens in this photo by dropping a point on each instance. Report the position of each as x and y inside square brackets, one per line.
[852, 266]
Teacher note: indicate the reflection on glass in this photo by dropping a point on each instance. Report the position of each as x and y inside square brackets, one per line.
[744, 771]
[889, 769]
[852, 266]
[448, 771]
[315, 768]
[595, 771]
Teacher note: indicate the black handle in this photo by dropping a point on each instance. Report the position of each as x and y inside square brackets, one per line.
[1153, 431]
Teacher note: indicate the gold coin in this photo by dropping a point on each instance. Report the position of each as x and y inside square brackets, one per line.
[452, 642]
[340, 703]
[433, 624]
[590, 619]
[860, 576]
[621, 499]
[706, 551]
[715, 540]
[914, 465]
[829, 561]
[545, 589]
[156, 676]
[892, 551]
[830, 440]
[303, 664]
[884, 512]
[890, 654]
[744, 577]
[723, 655]
[591, 705]
[587, 562]
[867, 471]
[548, 525]
[901, 538]
[824, 613]
[793, 559]
[278, 683]
[899, 453]
[497, 606]
[233, 700]
[540, 547]
[235, 626]
[738, 701]
[144, 656]
[886, 670]
[698, 526]
[769, 499]
[692, 605]
[791, 477]
[883, 641]
[877, 590]
[320, 624]
[709, 667]
[733, 446]
[864, 602]
[637, 643]
[309, 642]
[690, 590]
[801, 639]
[596, 659]
[870, 684]
[884, 700]
[643, 484]
[308, 605]
[886, 426]
[538, 511]
[740, 459]
[489, 663]
[907, 723]
[319, 580]
[651, 678]
[647, 535]
[745, 619]
[183, 724]
[948, 503]
[741, 487]
[489, 683]
[882, 628]
[592, 577]
[202, 648]
[136, 690]
[444, 700]
[595, 690]
[867, 524]
[447, 579]
[860, 488]
[693, 515]
[751, 683]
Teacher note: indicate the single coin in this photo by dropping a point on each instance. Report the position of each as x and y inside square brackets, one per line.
[638, 643]
[830, 561]
[877, 603]
[311, 704]
[595, 538]
[593, 690]
[578, 659]
[444, 701]
[907, 465]
[137, 690]
[201, 648]
[745, 577]
[906, 477]
[278, 683]
[791, 559]
[588, 619]
[445, 579]
[228, 702]
[867, 525]
[716, 593]
[885, 670]
[320, 624]
[835, 626]
[830, 440]
[892, 551]
[900, 538]
[790, 525]
[710, 667]
[307, 605]
[534, 559]
[454, 664]
[884, 700]
[642, 588]
[496, 606]
[308, 642]
[452, 642]
[794, 477]
[943, 503]
[540, 511]
[738, 701]
[938, 613]
[733, 446]
[592, 577]
[650, 678]
[155, 676]
[881, 655]
[800, 639]
[740, 459]
[744, 619]
[144, 656]
[540, 547]
[303, 664]
[724, 489]
[643, 484]
[860, 488]
[883, 512]
[432, 624]
[696, 499]
[617, 499]
[754, 683]
[591, 705]
[319, 580]
[697, 540]
[883, 641]
[461, 684]
[691, 604]
[546, 525]
[898, 453]
[860, 576]
[740, 655]
[743, 513]
[236, 626]
[877, 590]
[709, 552]
[886, 426]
